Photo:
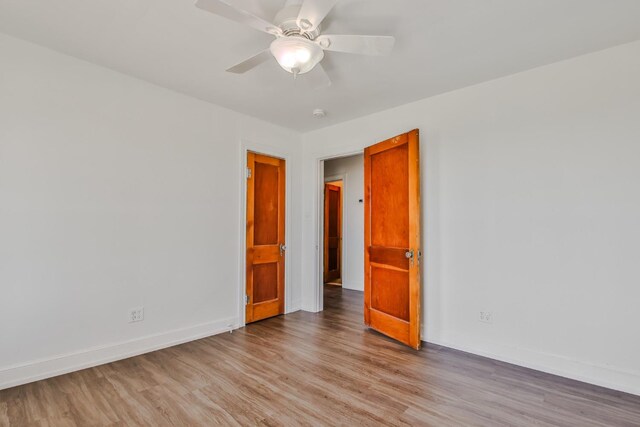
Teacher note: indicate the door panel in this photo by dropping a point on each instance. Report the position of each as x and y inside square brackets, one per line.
[265, 282]
[392, 238]
[332, 232]
[389, 224]
[390, 291]
[265, 237]
[265, 204]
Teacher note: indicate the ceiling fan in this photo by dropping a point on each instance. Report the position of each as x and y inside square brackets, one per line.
[299, 45]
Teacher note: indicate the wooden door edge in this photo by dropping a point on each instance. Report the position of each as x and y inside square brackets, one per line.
[282, 237]
[415, 217]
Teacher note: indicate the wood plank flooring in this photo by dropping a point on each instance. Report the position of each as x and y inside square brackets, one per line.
[312, 369]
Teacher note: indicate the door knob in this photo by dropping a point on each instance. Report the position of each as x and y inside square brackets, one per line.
[409, 256]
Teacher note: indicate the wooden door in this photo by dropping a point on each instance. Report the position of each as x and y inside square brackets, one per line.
[265, 237]
[332, 232]
[392, 238]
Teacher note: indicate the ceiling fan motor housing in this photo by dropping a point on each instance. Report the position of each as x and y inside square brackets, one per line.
[287, 21]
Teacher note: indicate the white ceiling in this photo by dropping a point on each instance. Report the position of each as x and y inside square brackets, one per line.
[441, 45]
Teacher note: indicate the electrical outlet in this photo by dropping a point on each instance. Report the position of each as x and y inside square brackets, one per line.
[136, 314]
[486, 317]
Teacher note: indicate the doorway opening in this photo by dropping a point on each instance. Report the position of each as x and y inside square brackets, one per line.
[391, 245]
[342, 225]
[333, 220]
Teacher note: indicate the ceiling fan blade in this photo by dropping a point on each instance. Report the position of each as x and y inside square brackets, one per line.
[362, 45]
[313, 12]
[251, 63]
[226, 10]
[316, 78]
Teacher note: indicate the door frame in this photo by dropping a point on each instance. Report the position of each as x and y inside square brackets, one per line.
[340, 177]
[247, 146]
[319, 224]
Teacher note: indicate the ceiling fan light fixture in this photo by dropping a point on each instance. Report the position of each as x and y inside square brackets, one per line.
[296, 55]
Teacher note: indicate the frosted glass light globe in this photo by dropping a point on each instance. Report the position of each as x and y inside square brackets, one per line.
[296, 55]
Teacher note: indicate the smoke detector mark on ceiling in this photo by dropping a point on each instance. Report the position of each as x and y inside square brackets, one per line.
[319, 113]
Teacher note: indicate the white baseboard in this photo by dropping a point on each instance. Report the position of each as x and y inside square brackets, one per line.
[353, 286]
[50, 367]
[309, 307]
[294, 306]
[604, 376]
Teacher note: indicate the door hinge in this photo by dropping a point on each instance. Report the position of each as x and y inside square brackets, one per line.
[246, 299]
[248, 173]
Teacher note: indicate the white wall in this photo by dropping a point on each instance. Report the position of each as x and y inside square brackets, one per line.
[531, 201]
[115, 193]
[352, 168]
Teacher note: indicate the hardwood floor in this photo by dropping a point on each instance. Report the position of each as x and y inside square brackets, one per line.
[313, 369]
